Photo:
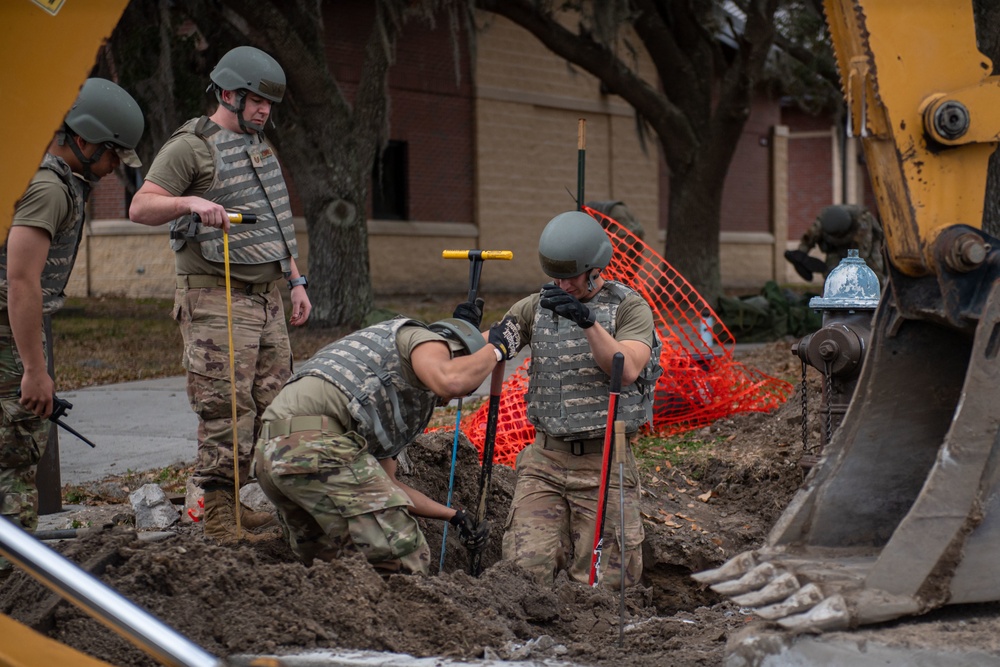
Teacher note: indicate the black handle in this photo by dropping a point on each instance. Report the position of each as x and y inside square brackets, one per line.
[617, 369]
[475, 270]
[235, 218]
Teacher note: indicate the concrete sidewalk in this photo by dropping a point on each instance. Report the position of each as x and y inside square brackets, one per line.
[135, 425]
[141, 426]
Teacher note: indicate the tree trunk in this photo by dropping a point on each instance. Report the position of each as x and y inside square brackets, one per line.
[692, 245]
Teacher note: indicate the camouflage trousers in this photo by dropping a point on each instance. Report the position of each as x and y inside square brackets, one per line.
[23, 438]
[553, 517]
[333, 498]
[263, 359]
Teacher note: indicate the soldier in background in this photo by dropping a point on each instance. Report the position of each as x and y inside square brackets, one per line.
[619, 213]
[837, 229]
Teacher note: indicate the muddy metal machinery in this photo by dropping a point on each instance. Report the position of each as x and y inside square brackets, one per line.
[902, 513]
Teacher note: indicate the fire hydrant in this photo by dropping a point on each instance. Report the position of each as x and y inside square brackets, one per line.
[850, 295]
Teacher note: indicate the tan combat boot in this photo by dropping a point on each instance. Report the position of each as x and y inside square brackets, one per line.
[219, 519]
[252, 520]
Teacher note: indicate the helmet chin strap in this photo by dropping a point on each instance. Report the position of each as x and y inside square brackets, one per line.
[245, 125]
[590, 280]
[85, 162]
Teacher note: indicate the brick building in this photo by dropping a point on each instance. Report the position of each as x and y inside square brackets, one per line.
[485, 161]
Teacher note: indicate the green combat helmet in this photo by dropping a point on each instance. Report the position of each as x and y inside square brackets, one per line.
[461, 335]
[835, 220]
[105, 114]
[573, 243]
[247, 69]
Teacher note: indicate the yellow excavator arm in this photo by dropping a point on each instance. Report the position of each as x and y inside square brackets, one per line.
[916, 85]
[48, 49]
[901, 515]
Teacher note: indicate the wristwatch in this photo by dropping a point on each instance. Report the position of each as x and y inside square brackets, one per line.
[295, 282]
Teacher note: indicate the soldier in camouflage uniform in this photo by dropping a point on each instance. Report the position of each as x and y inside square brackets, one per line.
[620, 213]
[552, 517]
[100, 131]
[836, 230]
[209, 166]
[327, 453]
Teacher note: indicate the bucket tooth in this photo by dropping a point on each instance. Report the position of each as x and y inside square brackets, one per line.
[780, 588]
[734, 568]
[830, 614]
[806, 597]
[753, 580]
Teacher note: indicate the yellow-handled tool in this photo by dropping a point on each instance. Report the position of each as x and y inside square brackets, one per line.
[234, 218]
[477, 254]
[476, 258]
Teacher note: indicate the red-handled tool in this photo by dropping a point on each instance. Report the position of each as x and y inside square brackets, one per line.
[617, 368]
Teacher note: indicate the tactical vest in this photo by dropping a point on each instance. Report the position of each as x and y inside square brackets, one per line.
[65, 242]
[247, 178]
[365, 365]
[568, 391]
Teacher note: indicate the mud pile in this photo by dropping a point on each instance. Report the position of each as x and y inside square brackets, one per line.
[256, 599]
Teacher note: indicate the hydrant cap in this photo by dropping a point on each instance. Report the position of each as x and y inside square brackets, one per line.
[852, 285]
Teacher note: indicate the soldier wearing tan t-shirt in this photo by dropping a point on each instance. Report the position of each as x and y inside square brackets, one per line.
[575, 325]
[100, 131]
[212, 166]
[328, 447]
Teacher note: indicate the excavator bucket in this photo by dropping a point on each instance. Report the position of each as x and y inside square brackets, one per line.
[902, 513]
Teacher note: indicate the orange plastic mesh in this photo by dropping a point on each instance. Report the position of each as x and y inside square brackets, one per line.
[700, 383]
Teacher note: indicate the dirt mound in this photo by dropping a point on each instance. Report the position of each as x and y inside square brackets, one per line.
[255, 598]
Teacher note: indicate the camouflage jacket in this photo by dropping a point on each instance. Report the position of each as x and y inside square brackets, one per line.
[365, 365]
[865, 235]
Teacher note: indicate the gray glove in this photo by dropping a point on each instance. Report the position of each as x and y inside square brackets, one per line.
[562, 303]
[506, 336]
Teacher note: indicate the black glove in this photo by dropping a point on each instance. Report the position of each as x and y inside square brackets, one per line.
[470, 312]
[506, 336]
[805, 264]
[567, 305]
[471, 536]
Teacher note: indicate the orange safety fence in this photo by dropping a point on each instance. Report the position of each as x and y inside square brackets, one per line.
[701, 381]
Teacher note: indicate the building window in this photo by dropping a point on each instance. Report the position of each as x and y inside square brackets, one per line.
[389, 178]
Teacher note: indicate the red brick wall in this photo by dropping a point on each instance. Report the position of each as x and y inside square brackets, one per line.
[431, 109]
[746, 202]
[810, 170]
[107, 199]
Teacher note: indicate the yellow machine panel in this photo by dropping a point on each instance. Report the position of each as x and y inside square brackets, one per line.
[48, 50]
